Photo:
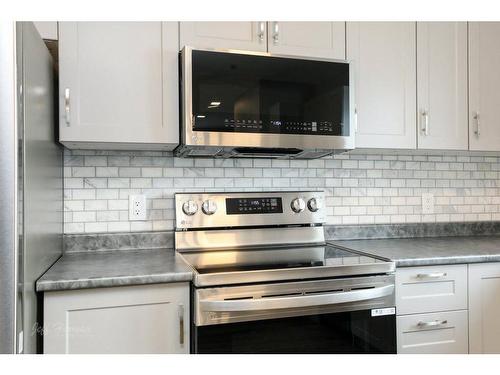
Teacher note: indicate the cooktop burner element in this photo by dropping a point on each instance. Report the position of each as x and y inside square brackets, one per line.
[241, 238]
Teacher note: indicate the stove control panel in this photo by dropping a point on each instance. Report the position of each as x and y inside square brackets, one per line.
[244, 209]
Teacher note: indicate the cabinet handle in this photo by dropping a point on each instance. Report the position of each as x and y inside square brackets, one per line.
[425, 123]
[67, 117]
[433, 323]
[261, 31]
[478, 124]
[181, 325]
[276, 33]
[433, 275]
[355, 120]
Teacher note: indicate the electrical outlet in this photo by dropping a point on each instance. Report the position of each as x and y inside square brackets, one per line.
[137, 207]
[427, 203]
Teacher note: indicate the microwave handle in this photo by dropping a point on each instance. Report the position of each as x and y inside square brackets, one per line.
[296, 301]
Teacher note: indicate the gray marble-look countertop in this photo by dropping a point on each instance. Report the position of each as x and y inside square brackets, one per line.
[114, 268]
[408, 252]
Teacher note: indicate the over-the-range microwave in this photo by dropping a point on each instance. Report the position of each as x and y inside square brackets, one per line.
[252, 104]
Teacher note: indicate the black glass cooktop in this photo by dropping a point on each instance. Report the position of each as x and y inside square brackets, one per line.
[227, 261]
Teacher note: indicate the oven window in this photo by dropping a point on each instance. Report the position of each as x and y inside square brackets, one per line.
[347, 332]
[258, 94]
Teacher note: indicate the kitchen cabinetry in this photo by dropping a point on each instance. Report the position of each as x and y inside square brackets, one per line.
[250, 36]
[384, 58]
[484, 308]
[118, 85]
[309, 39]
[312, 39]
[132, 319]
[431, 307]
[484, 80]
[442, 85]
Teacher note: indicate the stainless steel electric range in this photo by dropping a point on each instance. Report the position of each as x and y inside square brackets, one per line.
[266, 282]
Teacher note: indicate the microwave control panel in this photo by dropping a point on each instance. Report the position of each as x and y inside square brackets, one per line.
[280, 127]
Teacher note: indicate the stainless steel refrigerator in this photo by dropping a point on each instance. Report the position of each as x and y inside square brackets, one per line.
[31, 187]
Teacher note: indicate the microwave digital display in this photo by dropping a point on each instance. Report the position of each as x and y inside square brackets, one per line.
[241, 93]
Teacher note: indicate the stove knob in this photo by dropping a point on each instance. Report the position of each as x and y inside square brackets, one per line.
[313, 205]
[190, 208]
[298, 205]
[209, 207]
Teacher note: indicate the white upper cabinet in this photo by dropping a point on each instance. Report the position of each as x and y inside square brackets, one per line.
[442, 85]
[384, 60]
[311, 39]
[250, 36]
[484, 83]
[118, 85]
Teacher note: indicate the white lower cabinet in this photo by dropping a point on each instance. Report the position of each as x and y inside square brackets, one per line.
[437, 333]
[484, 308]
[431, 307]
[120, 320]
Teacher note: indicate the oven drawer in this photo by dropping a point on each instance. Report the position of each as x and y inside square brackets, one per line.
[435, 333]
[431, 289]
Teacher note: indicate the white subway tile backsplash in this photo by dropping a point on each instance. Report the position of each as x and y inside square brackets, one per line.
[360, 188]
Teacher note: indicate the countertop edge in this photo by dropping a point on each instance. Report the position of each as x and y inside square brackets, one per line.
[104, 282]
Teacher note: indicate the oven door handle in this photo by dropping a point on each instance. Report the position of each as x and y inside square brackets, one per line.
[276, 303]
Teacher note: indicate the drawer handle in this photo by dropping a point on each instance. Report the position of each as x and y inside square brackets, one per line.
[433, 323]
[434, 275]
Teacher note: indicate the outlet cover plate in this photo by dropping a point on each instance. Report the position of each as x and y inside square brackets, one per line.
[137, 207]
[427, 203]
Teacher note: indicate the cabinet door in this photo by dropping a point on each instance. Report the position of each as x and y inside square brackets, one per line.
[484, 308]
[484, 81]
[310, 39]
[250, 36]
[442, 85]
[118, 85]
[121, 320]
[383, 55]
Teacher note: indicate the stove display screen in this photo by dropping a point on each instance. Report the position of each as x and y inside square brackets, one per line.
[246, 206]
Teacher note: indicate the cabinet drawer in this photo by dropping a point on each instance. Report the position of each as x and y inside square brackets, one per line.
[434, 333]
[431, 288]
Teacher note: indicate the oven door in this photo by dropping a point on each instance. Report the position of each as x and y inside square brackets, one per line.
[233, 99]
[329, 316]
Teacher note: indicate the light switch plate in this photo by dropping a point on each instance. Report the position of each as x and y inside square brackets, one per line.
[137, 207]
[427, 203]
